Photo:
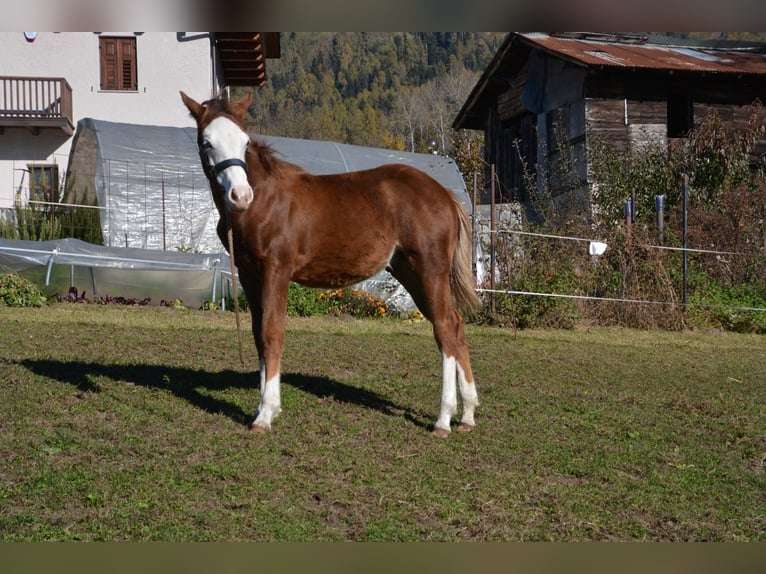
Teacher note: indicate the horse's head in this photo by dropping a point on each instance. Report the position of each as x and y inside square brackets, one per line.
[222, 145]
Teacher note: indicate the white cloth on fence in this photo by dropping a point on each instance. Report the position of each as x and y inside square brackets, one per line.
[597, 248]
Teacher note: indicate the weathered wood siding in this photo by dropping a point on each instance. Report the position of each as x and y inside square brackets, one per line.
[626, 124]
[633, 124]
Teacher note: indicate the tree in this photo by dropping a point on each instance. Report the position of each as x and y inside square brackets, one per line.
[380, 89]
[410, 114]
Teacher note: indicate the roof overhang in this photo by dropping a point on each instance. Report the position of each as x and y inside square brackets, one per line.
[472, 116]
[242, 56]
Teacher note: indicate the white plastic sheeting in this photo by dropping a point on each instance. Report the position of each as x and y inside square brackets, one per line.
[118, 271]
[148, 185]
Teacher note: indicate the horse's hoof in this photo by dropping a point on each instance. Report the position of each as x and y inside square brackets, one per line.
[259, 429]
[465, 427]
[440, 433]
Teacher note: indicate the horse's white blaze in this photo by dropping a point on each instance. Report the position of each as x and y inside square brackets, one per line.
[449, 393]
[469, 397]
[228, 141]
[271, 403]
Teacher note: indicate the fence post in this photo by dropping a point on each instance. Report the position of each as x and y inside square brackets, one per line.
[492, 238]
[659, 204]
[627, 208]
[685, 199]
[164, 225]
[474, 233]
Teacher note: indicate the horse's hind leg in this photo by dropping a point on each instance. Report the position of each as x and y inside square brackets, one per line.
[449, 331]
[431, 293]
[466, 382]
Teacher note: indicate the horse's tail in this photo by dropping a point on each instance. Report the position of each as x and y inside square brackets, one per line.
[461, 276]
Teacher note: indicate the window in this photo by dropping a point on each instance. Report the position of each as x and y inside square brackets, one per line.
[43, 183]
[680, 116]
[118, 63]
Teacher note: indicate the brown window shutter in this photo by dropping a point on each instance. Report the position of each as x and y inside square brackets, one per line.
[118, 63]
[108, 56]
[128, 64]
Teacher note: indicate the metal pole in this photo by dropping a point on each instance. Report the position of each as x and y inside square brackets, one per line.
[164, 231]
[492, 236]
[474, 235]
[53, 218]
[685, 238]
[633, 207]
[659, 204]
[50, 266]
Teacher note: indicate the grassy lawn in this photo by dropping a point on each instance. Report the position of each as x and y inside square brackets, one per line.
[124, 423]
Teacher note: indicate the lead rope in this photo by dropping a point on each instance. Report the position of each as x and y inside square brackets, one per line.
[230, 234]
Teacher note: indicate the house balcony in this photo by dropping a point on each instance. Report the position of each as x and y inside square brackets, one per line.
[36, 104]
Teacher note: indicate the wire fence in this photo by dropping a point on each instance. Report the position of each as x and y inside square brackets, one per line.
[622, 268]
[590, 241]
[131, 203]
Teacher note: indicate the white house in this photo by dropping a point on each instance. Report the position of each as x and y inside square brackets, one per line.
[51, 80]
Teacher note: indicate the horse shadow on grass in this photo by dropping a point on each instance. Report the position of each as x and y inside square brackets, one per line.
[190, 385]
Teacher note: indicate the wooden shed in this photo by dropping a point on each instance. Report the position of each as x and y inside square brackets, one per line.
[629, 88]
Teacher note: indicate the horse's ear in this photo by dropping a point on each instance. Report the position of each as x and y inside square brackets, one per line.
[195, 108]
[241, 107]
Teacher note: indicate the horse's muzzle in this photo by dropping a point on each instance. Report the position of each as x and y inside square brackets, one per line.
[239, 198]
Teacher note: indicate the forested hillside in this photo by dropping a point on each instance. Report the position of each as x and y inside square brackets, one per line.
[392, 90]
[396, 90]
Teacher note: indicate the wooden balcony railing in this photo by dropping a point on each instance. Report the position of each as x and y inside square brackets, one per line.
[35, 104]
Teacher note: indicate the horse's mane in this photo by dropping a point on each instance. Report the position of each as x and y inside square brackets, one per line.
[270, 160]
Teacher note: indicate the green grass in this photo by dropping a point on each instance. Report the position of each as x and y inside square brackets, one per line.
[130, 424]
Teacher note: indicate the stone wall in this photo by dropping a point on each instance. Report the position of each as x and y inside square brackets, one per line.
[507, 216]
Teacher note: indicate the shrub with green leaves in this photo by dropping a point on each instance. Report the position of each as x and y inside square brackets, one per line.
[311, 302]
[16, 291]
[728, 307]
[305, 302]
[355, 302]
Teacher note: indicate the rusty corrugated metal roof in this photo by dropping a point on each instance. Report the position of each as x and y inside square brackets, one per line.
[618, 52]
[637, 53]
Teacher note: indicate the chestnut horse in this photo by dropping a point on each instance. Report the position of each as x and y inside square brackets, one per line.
[335, 230]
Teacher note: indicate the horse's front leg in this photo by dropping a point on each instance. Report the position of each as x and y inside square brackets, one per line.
[268, 300]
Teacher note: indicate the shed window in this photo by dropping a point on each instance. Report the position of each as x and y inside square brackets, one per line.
[118, 63]
[680, 116]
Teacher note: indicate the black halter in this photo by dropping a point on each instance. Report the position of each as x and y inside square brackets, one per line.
[213, 171]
